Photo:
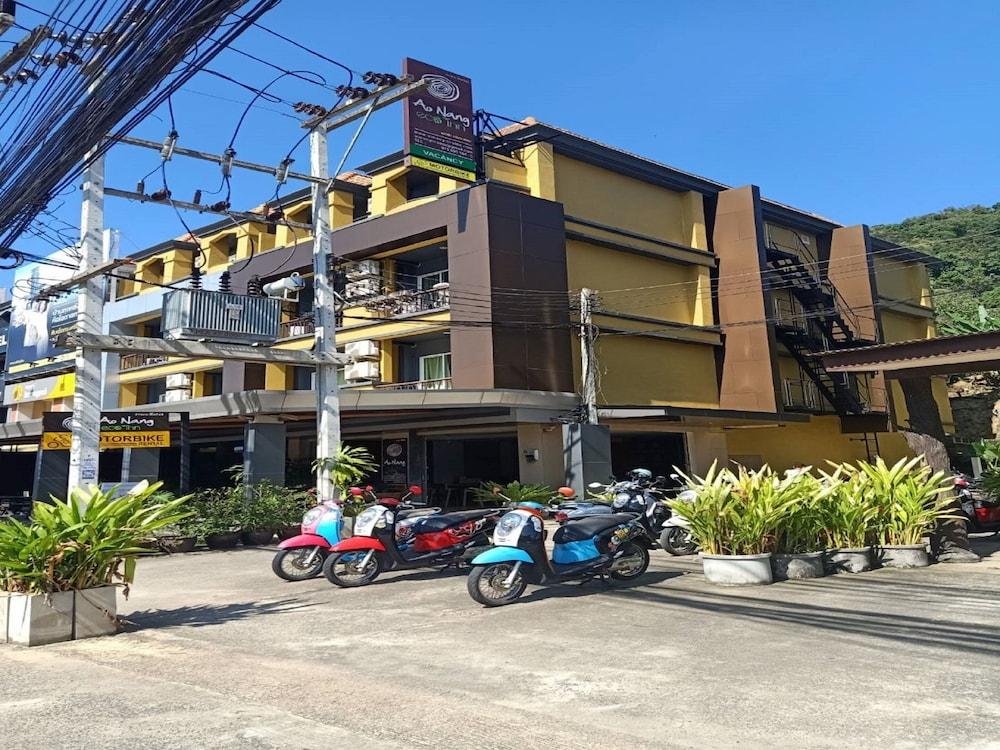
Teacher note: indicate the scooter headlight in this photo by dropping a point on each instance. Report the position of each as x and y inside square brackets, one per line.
[313, 515]
[366, 517]
[510, 522]
[622, 498]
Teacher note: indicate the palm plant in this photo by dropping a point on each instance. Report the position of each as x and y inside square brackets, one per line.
[89, 539]
[348, 467]
[847, 514]
[800, 529]
[513, 491]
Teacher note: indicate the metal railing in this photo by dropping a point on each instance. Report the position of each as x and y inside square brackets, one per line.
[304, 326]
[404, 302]
[440, 384]
[801, 394]
[788, 312]
[133, 361]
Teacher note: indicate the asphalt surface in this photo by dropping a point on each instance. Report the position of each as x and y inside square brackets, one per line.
[221, 654]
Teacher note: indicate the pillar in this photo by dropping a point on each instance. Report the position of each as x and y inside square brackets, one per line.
[140, 464]
[587, 455]
[51, 474]
[704, 448]
[264, 449]
[540, 454]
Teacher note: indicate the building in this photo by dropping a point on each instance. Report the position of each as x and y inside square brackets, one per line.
[462, 305]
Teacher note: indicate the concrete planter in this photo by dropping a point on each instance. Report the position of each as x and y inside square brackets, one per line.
[177, 544]
[738, 570]
[37, 619]
[904, 556]
[796, 566]
[257, 537]
[222, 540]
[857, 560]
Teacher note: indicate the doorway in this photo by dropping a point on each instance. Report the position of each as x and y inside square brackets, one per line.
[659, 453]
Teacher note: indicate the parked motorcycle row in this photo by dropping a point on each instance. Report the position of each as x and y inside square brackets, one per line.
[503, 546]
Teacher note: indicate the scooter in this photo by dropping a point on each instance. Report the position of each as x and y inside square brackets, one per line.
[614, 546]
[382, 542]
[302, 556]
[982, 514]
[676, 537]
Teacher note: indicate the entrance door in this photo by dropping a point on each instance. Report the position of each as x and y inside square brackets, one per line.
[657, 452]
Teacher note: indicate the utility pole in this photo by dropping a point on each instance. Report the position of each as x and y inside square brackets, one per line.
[85, 448]
[325, 320]
[588, 372]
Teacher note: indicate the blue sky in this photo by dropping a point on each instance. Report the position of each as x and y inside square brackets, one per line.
[860, 111]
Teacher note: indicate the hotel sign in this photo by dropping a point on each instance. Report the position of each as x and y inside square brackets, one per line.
[437, 123]
[118, 430]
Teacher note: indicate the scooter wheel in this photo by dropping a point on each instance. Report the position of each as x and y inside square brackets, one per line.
[299, 563]
[678, 541]
[487, 584]
[632, 562]
[345, 569]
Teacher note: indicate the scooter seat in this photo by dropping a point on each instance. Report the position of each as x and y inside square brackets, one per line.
[442, 521]
[587, 528]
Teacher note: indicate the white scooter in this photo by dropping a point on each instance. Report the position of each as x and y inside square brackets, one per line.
[676, 535]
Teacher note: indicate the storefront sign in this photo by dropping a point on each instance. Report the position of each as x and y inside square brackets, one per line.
[394, 463]
[39, 389]
[118, 430]
[437, 123]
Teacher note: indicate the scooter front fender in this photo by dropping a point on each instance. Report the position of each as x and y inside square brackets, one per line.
[305, 540]
[355, 543]
[502, 554]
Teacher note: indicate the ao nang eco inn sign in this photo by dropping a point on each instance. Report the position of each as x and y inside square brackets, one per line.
[118, 431]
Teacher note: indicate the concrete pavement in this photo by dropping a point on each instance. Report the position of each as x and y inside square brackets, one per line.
[221, 654]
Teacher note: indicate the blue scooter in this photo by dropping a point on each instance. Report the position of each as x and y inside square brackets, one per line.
[612, 546]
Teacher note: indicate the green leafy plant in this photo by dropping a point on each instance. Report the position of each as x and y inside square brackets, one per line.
[848, 513]
[348, 467]
[89, 539]
[800, 528]
[738, 513]
[489, 492]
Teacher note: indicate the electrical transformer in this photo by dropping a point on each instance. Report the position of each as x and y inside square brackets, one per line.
[220, 316]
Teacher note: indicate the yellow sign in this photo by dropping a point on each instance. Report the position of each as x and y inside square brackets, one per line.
[448, 171]
[60, 441]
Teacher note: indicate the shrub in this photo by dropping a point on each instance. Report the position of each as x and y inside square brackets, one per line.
[489, 492]
[89, 539]
[348, 467]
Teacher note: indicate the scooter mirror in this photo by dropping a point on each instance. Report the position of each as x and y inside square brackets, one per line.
[415, 490]
[357, 491]
[566, 491]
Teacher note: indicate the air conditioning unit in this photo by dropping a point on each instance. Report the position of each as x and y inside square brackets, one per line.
[196, 314]
[361, 371]
[366, 364]
[366, 350]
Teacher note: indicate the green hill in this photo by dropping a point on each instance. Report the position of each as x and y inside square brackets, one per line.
[967, 240]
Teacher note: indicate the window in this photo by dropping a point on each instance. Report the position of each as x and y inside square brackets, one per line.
[303, 378]
[420, 184]
[212, 383]
[428, 280]
[153, 392]
[435, 370]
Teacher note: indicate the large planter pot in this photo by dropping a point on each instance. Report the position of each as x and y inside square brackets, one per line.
[793, 567]
[904, 556]
[174, 544]
[222, 540]
[257, 537]
[38, 619]
[857, 560]
[738, 570]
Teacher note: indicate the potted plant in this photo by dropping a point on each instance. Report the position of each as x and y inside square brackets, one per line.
[489, 493]
[733, 517]
[293, 506]
[179, 537]
[799, 531]
[351, 465]
[219, 517]
[261, 513]
[60, 572]
[848, 519]
[911, 498]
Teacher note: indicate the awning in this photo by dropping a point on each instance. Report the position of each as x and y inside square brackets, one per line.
[945, 355]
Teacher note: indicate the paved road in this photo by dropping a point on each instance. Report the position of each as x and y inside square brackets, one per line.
[221, 654]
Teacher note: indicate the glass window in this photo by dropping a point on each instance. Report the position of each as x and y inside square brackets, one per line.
[435, 370]
[428, 280]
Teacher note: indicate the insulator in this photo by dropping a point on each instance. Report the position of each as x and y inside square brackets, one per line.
[26, 75]
[274, 216]
[167, 151]
[197, 196]
[160, 195]
[281, 173]
[220, 206]
[255, 288]
[227, 161]
[195, 282]
[140, 188]
[225, 282]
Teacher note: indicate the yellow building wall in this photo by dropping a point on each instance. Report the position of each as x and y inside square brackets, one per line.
[898, 326]
[606, 197]
[638, 370]
[902, 280]
[808, 444]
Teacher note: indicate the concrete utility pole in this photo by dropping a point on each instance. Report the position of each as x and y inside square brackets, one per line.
[325, 319]
[588, 372]
[85, 448]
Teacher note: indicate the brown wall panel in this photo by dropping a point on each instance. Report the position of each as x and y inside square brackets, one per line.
[851, 271]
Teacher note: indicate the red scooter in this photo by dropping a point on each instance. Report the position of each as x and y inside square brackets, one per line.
[384, 541]
[982, 514]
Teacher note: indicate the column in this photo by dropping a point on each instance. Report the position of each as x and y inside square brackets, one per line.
[51, 474]
[264, 449]
[587, 455]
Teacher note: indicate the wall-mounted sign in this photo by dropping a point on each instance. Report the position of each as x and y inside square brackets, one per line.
[394, 463]
[118, 430]
[437, 123]
[40, 389]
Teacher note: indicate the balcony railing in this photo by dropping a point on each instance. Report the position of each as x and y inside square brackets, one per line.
[801, 394]
[132, 361]
[304, 326]
[404, 302]
[440, 384]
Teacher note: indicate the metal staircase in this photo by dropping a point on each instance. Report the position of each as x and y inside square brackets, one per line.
[826, 322]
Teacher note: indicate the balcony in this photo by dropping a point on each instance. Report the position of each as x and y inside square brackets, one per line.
[801, 394]
[440, 384]
[134, 361]
[303, 326]
[406, 302]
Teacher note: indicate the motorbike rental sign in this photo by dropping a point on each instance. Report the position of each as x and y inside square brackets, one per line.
[118, 430]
